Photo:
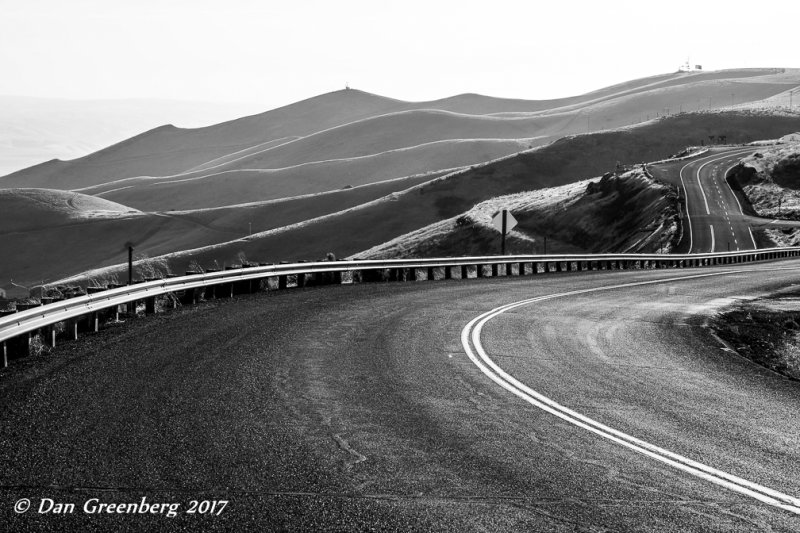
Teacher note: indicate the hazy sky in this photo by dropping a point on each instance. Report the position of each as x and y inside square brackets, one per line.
[277, 52]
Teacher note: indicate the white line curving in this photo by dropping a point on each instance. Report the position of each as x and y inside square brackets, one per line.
[470, 337]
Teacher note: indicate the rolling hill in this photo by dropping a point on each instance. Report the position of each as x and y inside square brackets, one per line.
[348, 171]
[33, 130]
[630, 212]
[351, 123]
[355, 229]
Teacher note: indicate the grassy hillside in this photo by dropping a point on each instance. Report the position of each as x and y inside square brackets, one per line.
[770, 180]
[40, 209]
[385, 124]
[169, 150]
[33, 130]
[239, 186]
[52, 234]
[406, 142]
[566, 161]
[627, 213]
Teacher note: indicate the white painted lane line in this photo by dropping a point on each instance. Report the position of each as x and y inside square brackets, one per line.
[752, 238]
[700, 182]
[686, 205]
[716, 160]
[712, 237]
[470, 337]
[686, 196]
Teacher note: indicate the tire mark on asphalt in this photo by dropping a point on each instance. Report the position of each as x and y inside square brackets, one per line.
[470, 337]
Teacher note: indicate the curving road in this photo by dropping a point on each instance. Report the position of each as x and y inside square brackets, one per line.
[714, 219]
[350, 408]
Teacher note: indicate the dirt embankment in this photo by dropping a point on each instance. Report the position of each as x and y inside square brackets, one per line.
[766, 331]
[630, 212]
[770, 179]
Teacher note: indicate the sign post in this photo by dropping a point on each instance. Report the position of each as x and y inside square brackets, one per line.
[504, 221]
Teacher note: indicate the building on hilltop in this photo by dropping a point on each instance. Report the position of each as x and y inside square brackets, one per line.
[687, 67]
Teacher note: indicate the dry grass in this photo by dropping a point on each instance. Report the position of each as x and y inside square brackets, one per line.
[771, 180]
[362, 227]
[614, 214]
[236, 186]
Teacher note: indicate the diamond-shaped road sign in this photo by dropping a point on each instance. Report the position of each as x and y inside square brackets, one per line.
[497, 221]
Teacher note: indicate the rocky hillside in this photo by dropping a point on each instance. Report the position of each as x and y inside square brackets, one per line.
[770, 179]
[626, 213]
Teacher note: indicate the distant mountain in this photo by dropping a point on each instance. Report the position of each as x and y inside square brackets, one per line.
[35, 130]
[348, 170]
[349, 124]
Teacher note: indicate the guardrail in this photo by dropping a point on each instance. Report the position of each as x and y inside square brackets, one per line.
[68, 317]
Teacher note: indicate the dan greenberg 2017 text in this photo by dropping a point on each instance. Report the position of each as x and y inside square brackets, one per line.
[96, 507]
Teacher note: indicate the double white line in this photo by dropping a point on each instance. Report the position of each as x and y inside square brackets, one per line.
[471, 341]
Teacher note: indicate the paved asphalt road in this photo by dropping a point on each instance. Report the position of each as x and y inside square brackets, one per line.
[356, 408]
[716, 221]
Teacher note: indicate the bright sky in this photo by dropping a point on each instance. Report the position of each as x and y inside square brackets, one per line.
[277, 52]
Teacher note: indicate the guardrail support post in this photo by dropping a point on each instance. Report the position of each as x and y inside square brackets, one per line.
[49, 333]
[72, 329]
[150, 305]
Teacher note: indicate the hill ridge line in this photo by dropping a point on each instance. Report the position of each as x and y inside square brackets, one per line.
[159, 180]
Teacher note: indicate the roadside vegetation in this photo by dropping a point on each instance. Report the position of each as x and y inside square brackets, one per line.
[770, 180]
[766, 331]
[625, 212]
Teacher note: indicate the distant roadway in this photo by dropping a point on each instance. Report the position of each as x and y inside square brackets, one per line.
[716, 220]
[609, 408]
